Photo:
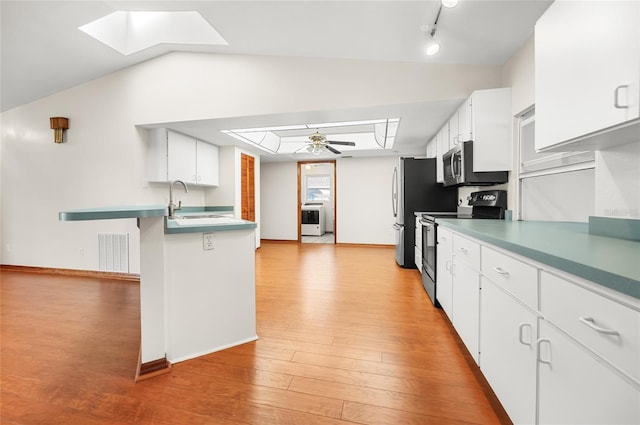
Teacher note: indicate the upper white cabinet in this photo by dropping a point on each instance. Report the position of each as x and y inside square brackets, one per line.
[587, 75]
[485, 118]
[175, 156]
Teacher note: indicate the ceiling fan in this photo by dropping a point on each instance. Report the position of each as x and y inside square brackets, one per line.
[318, 142]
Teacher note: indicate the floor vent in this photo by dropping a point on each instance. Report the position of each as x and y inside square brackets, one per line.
[113, 252]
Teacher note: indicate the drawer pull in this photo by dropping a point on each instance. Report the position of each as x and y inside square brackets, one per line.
[590, 322]
[539, 351]
[521, 334]
[499, 270]
[463, 250]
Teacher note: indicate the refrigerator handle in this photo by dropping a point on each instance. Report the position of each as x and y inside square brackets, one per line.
[394, 192]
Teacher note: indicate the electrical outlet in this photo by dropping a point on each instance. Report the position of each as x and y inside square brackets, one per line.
[207, 241]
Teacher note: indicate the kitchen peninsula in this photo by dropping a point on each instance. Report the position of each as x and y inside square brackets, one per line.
[197, 281]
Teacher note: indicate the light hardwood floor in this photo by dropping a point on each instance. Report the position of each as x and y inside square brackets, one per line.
[346, 336]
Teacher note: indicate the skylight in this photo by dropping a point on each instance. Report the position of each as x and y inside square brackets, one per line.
[378, 134]
[130, 32]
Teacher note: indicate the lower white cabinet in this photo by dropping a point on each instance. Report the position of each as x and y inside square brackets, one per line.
[555, 348]
[508, 332]
[466, 292]
[444, 278]
[418, 245]
[576, 387]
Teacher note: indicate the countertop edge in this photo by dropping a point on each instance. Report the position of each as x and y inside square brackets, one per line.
[604, 278]
[209, 228]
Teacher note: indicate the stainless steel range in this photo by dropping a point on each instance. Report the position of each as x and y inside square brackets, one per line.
[486, 204]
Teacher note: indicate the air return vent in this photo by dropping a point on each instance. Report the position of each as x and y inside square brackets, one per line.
[113, 252]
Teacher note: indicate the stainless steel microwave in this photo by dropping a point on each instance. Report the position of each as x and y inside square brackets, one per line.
[458, 169]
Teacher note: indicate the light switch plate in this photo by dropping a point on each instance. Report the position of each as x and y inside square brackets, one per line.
[207, 241]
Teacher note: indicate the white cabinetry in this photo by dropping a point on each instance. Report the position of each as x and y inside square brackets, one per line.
[442, 146]
[576, 387]
[444, 278]
[175, 156]
[587, 75]
[508, 329]
[485, 118]
[418, 244]
[555, 349]
[466, 292]
[461, 124]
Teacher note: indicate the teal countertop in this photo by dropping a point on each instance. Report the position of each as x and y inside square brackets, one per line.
[608, 261]
[108, 213]
[143, 211]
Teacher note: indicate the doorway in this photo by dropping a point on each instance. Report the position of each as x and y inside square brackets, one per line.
[317, 202]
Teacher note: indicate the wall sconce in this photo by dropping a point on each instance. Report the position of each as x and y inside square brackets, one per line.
[59, 125]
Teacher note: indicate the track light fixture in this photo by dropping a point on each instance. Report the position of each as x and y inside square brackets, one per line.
[433, 45]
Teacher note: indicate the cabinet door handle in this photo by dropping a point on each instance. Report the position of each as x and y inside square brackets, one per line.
[501, 271]
[616, 97]
[521, 334]
[447, 265]
[590, 322]
[538, 351]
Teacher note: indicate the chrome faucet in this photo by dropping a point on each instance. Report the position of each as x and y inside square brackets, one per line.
[172, 206]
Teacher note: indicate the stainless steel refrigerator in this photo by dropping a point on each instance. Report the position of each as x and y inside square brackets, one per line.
[414, 188]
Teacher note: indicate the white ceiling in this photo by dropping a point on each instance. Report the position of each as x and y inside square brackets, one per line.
[43, 52]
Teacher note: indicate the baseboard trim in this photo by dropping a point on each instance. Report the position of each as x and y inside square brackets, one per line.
[152, 369]
[369, 245]
[129, 277]
[279, 240]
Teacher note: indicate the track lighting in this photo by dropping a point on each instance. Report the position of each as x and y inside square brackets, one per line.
[433, 44]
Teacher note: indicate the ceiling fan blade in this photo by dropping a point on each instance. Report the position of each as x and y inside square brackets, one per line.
[336, 151]
[334, 142]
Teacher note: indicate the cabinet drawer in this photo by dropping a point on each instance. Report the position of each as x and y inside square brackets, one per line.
[608, 328]
[467, 251]
[518, 278]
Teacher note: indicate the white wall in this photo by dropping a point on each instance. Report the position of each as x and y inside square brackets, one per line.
[279, 191]
[102, 162]
[363, 190]
[618, 181]
[363, 200]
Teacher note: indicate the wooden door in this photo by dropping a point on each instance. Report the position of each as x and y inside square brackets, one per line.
[248, 196]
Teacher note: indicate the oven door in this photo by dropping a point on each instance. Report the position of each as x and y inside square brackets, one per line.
[429, 258]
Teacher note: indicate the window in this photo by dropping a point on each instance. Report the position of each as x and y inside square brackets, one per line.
[318, 187]
[552, 186]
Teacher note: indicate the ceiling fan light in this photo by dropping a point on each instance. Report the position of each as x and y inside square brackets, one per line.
[433, 46]
[449, 3]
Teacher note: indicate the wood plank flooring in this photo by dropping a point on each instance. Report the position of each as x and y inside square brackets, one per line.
[346, 336]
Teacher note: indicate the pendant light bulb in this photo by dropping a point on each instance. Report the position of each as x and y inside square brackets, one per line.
[449, 3]
[433, 46]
